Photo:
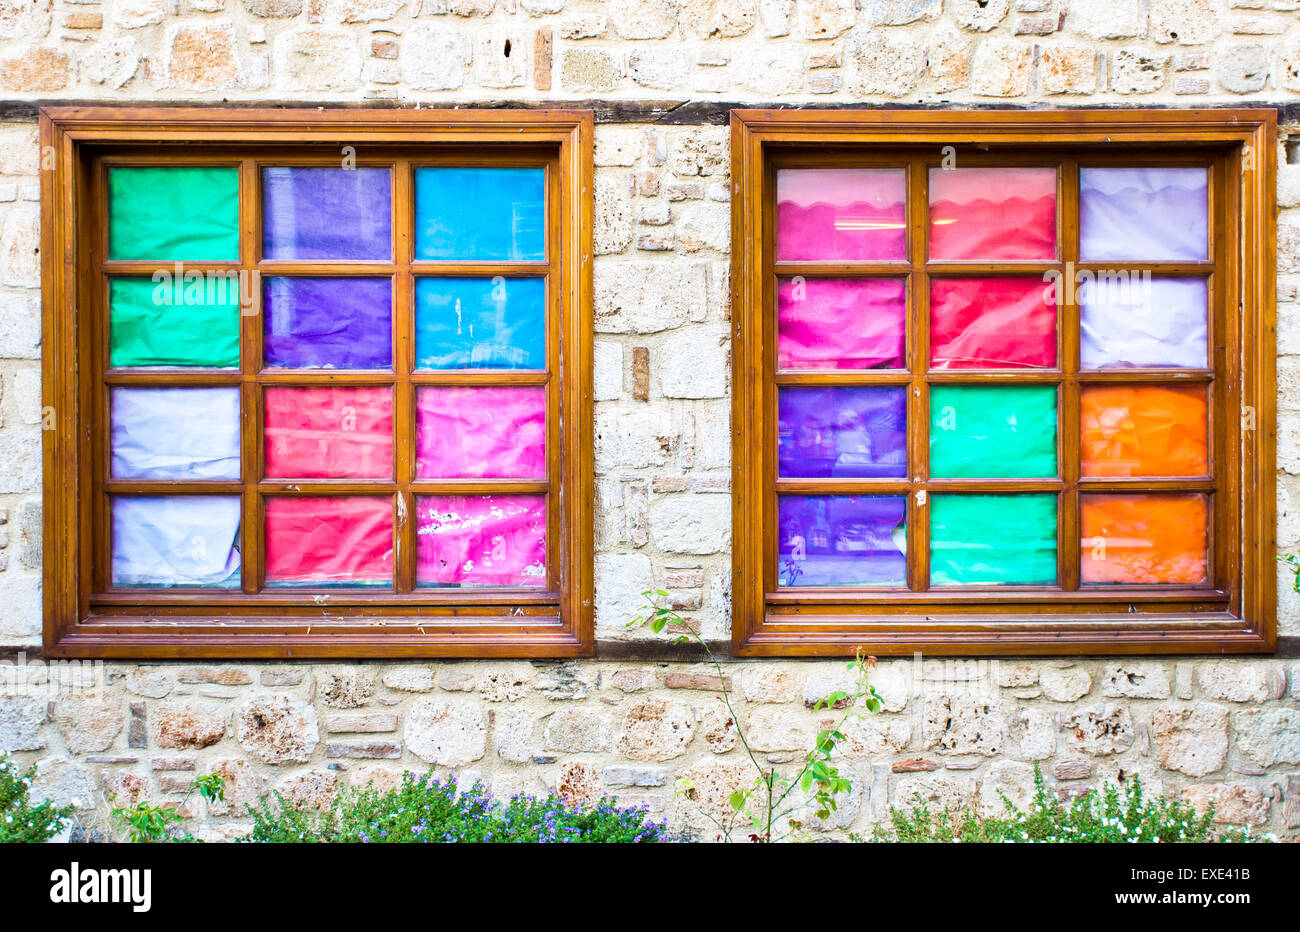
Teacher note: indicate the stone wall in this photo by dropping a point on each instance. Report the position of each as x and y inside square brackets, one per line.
[1223, 729]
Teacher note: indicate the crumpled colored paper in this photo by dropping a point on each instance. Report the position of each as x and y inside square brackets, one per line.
[841, 323]
[472, 433]
[329, 541]
[480, 214]
[1143, 539]
[145, 330]
[1155, 323]
[984, 540]
[481, 540]
[851, 431]
[480, 323]
[992, 323]
[1143, 430]
[328, 323]
[829, 214]
[175, 433]
[992, 213]
[842, 540]
[328, 433]
[1134, 214]
[992, 431]
[173, 213]
[176, 540]
[327, 213]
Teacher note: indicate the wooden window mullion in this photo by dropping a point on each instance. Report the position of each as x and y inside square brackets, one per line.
[918, 388]
[1068, 426]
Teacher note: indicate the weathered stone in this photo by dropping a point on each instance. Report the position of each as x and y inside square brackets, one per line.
[771, 72]
[1241, 681]
[578, 731]
[150, 682]
[698, 524]
[979, 15]
[948, 59]
[938, 792]
[900, 12]
[364, 750]
[343, 723]
[241, 787]
[1100, 729]
[1268, 736]
[1187, 22]
[1135, 680]
[88, 724]
[661, 69]
[126, 789]
[590, 70]
[914, 765]
[825, 19]
[638, 296]
[656, 730]
[318, 58]
[501, 57]
[1243, 67]
[1234, 803]
[768, 684]
[271, 9]
[888, 66]
[188, 725]
[365, 11]
[215, 676]
[563, 680]
[719, 728]
[376, 776]
[22, 723]
[315, 789]
[202, 57]
[345, 689]
[578, 783]
[1191, 739]
[963, 725]
[632, 681]
[620, 580]
[449, 732]
[772, 729]
[136, 14]
[625, 775]
[1072, 770]
[111, 63]
[875, 736]
[1109, 19]
[1001, 68]
[20, 247]
[513, 731]
[509, 684]
[1015, 675]
[643, 19]
[724, 19]
[1135, 71]
[704, 793]
[277, 728]
[64, 783]
[1064, 685]
[409, 679]
[1006, 781]
[435, 58]
[613, 215]
[24, 19]
[1068, 69]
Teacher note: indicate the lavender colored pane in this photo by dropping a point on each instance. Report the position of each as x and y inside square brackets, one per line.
[842, 540]
[848, 432]
[1142, 213]
[840, 214]
[326, 213]
[329, 323]
[1154, 322]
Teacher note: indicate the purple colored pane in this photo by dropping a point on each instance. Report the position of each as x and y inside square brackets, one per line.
[841, 323]
[849, 432]
[1143, 213]
[328, 323]
[834, 213]
[326, 213]
[842, 540]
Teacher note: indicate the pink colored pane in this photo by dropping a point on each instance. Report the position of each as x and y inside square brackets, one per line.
[329, 433]
[481, 433]
[481, 540]
[835, 213]
[993, 213]
[992, 323]
[841, 323]
[329, 541]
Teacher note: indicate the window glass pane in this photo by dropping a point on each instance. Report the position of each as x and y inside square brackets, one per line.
[329, 433]
[480, 214]
[1143, 430]
[1142, 213]
[175, 433]
[176, 213]
[176, 540]
[328, 323]
[992, 323]
[993, 213]
[481, 540]
[327, 213]
[982, 540]
[842, 540]
[1136, 321]
[471, 433]
[841, 323]
[1144, 538]
[858, 431]
[833, 214]
[480, 323]
[329, 541]
[168, 324]
[992, 431]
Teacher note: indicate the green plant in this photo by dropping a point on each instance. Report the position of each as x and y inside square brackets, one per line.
[769, 804]
[426, 809]
[20, 821]
[1110, 815]
[1292, 562]
[144, 822]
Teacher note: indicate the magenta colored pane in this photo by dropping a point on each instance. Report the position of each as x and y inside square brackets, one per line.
[1134, 214]
[481, 433]
[842, 540]
[841, 323]
[992, 323]
[481, 540]
[329, 433]
[329, 541]
[837, 213]
[992, 213]
[856, 431]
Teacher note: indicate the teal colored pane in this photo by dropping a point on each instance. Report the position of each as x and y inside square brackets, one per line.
[480, 214]
[992, 431]
[173, 213]
[983, 540]
[171, 324]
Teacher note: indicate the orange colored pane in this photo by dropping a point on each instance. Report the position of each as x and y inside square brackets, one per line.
[1143, 430]
[1144, 538]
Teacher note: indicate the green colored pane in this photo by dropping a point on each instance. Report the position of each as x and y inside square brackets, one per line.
[173, 213]
[992, 431]
[982, 540]
[158, 324]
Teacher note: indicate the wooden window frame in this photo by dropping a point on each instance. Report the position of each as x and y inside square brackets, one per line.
[1235, 613]
[82, 619]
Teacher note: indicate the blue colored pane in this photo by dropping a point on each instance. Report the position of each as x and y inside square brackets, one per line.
[480, 213]
[480, 323]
